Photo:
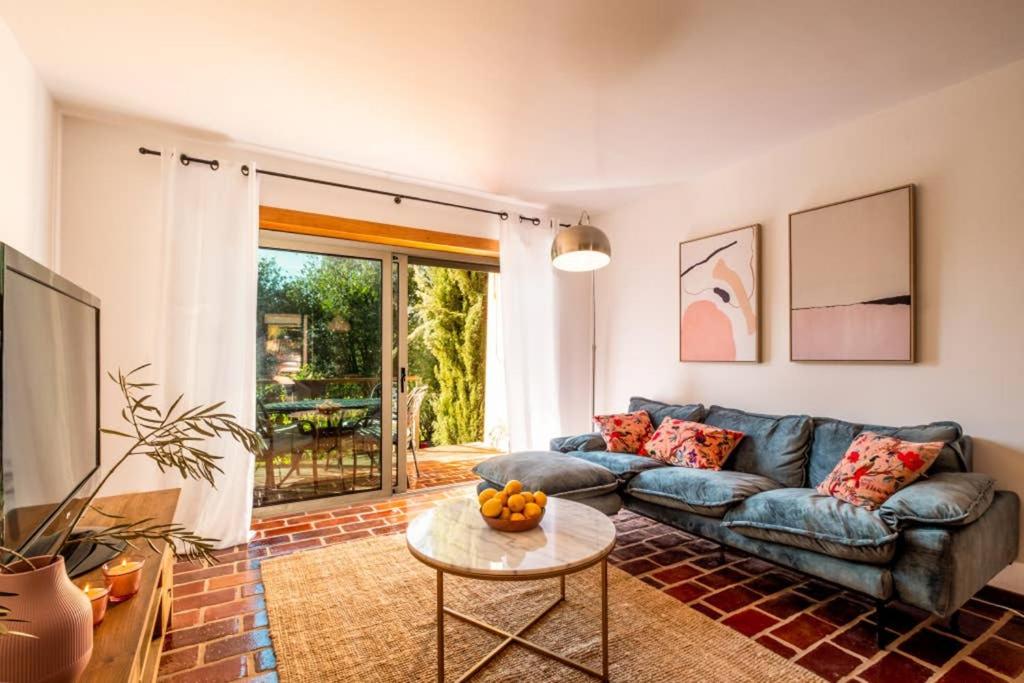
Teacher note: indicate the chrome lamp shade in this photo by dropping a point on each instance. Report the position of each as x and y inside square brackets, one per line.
[581, 248]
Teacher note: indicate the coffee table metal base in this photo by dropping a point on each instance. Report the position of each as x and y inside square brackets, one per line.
[517, 637]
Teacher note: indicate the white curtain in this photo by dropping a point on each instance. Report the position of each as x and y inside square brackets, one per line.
[206, 346]
[495, 395]
[546, 334]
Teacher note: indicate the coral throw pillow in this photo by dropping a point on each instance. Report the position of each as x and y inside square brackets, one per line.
[876, 466]
[691, 444]
[625, 433]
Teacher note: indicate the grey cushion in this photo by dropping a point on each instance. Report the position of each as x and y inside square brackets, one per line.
[774, 446]
[803, 518]
[945, 498]
[622, 465]
[658, 411]
[704, 492]
[580, 442]
[547, 471]
[833, 437]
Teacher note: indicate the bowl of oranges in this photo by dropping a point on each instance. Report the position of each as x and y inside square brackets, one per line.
[512, 508]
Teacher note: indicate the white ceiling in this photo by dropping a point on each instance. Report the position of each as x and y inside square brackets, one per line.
[563, 101]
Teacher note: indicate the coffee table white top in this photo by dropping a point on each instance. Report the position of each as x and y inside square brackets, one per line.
[453, 537]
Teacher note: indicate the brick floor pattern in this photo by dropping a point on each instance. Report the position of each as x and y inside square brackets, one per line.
[435, 473]
[220, 630]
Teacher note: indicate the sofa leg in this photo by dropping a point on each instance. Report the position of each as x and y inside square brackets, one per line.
[953, 623]
[880, 622]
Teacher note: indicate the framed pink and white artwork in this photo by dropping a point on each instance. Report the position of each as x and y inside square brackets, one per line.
[719, 297]
[852, 280]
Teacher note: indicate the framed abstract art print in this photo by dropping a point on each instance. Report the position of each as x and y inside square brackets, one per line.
[852, 280]
[719, 297]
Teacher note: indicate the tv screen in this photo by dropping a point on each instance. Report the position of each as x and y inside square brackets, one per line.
[50, 402]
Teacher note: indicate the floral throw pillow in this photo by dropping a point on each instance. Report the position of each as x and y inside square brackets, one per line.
[625, 433]
[876, 466]
[691, 444]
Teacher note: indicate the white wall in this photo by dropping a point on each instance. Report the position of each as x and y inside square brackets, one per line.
[27, 132]
[964, 148]
[111, 233]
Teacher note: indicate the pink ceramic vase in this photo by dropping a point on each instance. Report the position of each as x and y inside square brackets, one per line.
[54, 610]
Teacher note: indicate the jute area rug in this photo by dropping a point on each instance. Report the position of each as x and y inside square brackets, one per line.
[364, 611]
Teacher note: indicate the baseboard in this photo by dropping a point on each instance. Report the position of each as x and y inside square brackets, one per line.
[1010, 579]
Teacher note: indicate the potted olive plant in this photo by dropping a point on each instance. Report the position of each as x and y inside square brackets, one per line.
[45, 620]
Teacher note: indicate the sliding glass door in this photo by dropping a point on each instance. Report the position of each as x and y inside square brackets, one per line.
[327, 378]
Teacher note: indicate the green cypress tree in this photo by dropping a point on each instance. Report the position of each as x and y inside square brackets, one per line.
[452, 312]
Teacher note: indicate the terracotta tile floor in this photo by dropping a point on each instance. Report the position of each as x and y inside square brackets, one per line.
[221, 633]
[440, 473]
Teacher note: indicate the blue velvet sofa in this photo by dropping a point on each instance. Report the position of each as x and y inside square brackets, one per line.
[931, 545]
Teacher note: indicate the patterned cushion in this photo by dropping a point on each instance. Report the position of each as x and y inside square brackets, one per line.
[625, 433]
[876, 466]
[691, 444]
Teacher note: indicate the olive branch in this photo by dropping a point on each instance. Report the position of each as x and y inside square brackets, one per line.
[174, 440]
[171, 438]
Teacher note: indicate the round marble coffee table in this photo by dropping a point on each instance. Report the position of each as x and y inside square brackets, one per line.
[452, 538]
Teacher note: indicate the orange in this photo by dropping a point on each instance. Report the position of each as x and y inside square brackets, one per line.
[513, 487]
[516, 503]
[540, 498]
[491, 508]
[517, 517]
[531, 510]
[527, 496]
[486, 495]
[505, 513]
[503, 497]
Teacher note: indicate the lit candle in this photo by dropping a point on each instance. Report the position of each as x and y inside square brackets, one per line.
[123, 578]
[98, 596]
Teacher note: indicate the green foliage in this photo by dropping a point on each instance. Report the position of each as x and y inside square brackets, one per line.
[450, 318]
[339, 300]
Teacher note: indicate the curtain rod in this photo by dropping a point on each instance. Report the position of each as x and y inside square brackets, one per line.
[396, 196]
[536, 221]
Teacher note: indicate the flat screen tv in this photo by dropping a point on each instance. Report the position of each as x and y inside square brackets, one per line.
[49, 404]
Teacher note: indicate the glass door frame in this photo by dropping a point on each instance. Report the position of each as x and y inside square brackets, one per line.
[334, 247]
[400, 265]
[394, 337]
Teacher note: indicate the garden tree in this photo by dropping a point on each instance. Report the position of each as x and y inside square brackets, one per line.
[270, 298]
[341, 301]
[451, 320]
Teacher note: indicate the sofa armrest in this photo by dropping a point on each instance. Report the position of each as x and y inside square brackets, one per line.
[579, 442]
[938, 568]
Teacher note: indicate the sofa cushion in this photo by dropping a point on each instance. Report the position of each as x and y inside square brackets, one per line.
[625, 432]
[833, 437]
[622, 465]
[804, 518]
[704, 492]
[658, 411]
[691, 444]
[773, 446]
[876, 466]
[946, 498]
[547, 471]
[579, 442]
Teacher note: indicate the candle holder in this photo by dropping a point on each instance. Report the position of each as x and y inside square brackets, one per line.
[98, 596]
[123, 577]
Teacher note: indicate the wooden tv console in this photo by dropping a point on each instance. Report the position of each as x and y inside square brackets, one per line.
[127, 645]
